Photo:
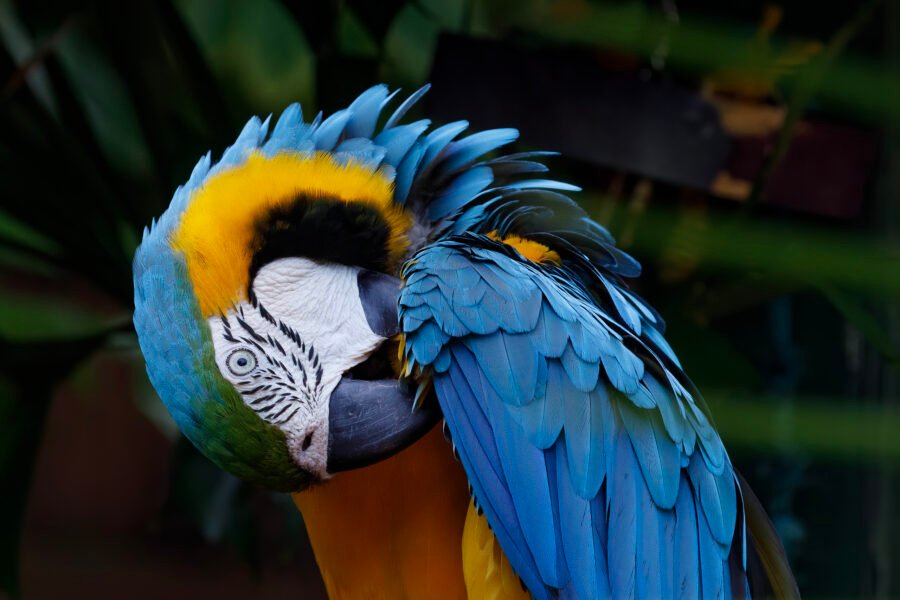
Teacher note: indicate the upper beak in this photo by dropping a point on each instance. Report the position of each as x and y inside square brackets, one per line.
[372, 420]
[380, 294]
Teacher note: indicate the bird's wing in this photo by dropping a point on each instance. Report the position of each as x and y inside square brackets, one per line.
[596, 469]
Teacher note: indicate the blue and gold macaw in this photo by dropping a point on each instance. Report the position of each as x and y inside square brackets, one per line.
[311, 304]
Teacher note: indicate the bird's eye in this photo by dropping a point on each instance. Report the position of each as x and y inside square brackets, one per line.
[241, 361]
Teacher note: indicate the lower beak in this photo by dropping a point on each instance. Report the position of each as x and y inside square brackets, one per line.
[372, 420]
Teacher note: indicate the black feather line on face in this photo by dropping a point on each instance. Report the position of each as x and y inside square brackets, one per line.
[322, 228]
[272, 391]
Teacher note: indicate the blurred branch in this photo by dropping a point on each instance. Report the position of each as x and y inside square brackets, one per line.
[13, 230]
[75, 207]
[205, 87]
[146, 62]
[48, 47]
[36, 253]
[805, 89]
[704, 46]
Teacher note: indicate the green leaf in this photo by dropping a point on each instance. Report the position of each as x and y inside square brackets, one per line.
[16, 231]
[106, 105]
[353, 39]
[32, 317]
[376, 17]
[257, 49]
[409, 47]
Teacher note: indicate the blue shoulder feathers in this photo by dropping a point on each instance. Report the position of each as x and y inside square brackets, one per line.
[584, 447]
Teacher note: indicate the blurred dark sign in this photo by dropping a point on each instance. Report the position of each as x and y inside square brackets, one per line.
[825, 171]
[609, 115]
[564, 102]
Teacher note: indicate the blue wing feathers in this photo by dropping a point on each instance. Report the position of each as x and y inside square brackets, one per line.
[712, 566]
[667, 523]
[437, 140]
[478, 320]
[623, 522]
[588, 463]
[588, 433]
[504, 169]
[466, 151]
[626, 309]
[584, 550]
[364, 112]
[498, 370]
[405, 106]
[642, 397]
[398, 141]
[329, 132]
[658, 456]
[429, 342]
[406, 172]
[622, 367]
[468, 425]
[543, 184]
[453, 326]
[672, 412]
[460, 191]
[582, 374]
[534, 498]
[718, 499]
[686, 569]
[361, 151]
[468, 295]
[650, 567]
[540, 420]
[589, 340]
[549, 335]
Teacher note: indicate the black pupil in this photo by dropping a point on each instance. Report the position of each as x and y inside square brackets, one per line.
[242, 362]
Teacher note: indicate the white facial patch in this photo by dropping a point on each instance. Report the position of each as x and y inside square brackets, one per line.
[321, 301]
[286, 351]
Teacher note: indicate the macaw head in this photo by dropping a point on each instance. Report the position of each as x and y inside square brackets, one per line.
[267, 281]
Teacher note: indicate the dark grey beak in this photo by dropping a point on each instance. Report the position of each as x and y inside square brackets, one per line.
[372, 420]
[380, 294]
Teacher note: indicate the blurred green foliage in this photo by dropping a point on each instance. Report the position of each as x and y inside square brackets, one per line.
[105, 106]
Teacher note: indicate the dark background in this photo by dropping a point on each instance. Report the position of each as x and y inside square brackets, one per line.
[746, 153]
